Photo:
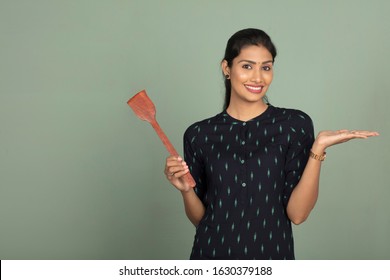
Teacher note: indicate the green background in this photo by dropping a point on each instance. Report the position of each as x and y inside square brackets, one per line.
[81, 177]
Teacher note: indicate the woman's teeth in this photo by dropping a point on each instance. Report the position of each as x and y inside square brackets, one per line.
[252, 88]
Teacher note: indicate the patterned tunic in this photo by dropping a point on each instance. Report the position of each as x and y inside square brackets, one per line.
[245, 173]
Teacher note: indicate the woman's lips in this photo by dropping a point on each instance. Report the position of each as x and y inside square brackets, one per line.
[254, 89]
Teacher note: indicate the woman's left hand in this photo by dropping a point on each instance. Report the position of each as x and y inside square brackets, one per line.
[329, 138]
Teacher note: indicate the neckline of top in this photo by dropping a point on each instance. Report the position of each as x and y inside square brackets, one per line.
[262, 115]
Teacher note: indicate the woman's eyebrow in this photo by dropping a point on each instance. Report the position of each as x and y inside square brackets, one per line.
[254, 62]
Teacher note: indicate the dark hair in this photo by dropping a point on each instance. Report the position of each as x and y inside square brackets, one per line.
[239, 40]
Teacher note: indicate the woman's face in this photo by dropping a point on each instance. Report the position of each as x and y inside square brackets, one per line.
[251, 74]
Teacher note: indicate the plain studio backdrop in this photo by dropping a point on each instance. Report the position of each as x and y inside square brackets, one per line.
[81, 177]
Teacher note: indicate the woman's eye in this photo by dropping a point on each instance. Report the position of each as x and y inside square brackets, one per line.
[247, 66]
[267, 68]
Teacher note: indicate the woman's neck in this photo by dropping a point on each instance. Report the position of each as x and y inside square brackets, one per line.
[246, 111]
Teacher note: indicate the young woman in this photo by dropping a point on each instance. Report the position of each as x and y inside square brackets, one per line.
[256, 166]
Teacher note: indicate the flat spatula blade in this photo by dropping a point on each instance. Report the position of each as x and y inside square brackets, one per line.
[142, 106]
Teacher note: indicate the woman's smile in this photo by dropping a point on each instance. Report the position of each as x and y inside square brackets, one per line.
[254, 89]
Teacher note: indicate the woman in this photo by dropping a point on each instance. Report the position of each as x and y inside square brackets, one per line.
[256, 166]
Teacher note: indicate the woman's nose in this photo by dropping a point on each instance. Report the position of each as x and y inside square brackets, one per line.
[257, 76]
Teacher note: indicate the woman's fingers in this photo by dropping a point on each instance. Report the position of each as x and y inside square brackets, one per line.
[342, 131]
[367, 133]
[175, 169]
[179, 174]
[351, 134]
[329, 138]
[175, 166]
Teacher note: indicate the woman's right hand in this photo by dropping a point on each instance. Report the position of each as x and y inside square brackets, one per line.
[175, 169]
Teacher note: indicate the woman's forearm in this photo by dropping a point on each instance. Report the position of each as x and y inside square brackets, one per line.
[193, 206]
[305, 194]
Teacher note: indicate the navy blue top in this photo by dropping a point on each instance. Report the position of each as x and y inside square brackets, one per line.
[245, 173]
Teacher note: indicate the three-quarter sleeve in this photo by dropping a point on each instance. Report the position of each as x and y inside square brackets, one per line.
[193, 159]
[301, 138]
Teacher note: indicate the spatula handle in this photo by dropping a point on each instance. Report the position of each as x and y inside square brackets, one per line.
[172, 151]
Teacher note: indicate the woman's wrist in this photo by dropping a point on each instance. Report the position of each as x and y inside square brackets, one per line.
[187, 192]
[318, 149]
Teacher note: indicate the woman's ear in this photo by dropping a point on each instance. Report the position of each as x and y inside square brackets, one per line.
[225, 67]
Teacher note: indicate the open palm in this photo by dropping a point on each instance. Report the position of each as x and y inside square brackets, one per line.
[329, 138]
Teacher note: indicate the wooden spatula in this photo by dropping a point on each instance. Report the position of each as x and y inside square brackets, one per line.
[144, 109]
